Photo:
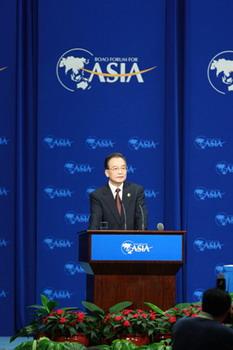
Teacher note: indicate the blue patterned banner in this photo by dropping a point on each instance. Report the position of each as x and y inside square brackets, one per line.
[83, 80]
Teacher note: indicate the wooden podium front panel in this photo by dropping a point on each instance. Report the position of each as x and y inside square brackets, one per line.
[108, 290]
[138, 266]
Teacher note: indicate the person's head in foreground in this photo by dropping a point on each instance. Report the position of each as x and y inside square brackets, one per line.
[217, 303]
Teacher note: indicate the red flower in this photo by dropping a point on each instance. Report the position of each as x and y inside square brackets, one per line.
[186, 312]
[144, 315]
[172, 319]
[135, 316]
[153, 316]
[59, 312]
[118, 318]
[126, 312]
[107, 317]
[126, 323]
[80, 316]
[63, 320]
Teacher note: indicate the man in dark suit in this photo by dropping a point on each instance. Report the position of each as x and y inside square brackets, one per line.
[121, 205]
[206, 331]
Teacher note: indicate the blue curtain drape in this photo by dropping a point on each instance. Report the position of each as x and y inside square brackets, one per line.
[26, 142]
[173, 120]
[56, 127]
[27, 220]
[26, 159]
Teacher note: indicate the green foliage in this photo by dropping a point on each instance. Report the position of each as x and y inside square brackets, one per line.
[100, 312]
[182, 306]
[47, 344]
[118, 344]
[46, 306]
[93, 308]
[154, 308]
[120, 306]
[121, 344]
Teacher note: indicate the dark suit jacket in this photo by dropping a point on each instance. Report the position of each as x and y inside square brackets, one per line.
[103, 208]
[201, 334]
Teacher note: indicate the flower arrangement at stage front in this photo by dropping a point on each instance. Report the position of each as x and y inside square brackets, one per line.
[130, 322]
[168, 318]
[120, 323]
[59, 324]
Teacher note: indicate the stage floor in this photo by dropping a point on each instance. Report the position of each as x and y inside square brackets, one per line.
[6, 345]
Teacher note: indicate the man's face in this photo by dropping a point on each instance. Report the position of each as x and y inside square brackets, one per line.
[117, 171]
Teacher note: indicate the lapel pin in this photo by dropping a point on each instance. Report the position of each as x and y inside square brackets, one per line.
[128, 194]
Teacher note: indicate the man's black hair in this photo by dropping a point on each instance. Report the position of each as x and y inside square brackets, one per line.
[216, 302]
[113, 155]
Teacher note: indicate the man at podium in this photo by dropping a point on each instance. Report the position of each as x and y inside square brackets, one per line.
[118, 205]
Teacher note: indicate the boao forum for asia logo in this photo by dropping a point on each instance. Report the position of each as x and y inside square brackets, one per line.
[129, 247]
[52, 293]
[202, 193]
[203, 142]
[201, 245]
[78, 68]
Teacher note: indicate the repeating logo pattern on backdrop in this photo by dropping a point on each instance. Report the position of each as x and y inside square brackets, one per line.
[57, 243]
[202, 244]
[73, 218]
[3, 243]
[202, 193]
[135, 143]
[76, 168]
[72, 269]
[51, 293]
[52, 192]
[3, 294]
[78, 68]
[4, 191]
[203, 142]
[57, 142]
[224, 168]
[197, 294]
[223, 219]
[94, 142]
[4, 141]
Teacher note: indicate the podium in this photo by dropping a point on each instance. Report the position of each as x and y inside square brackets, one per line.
[139, 266]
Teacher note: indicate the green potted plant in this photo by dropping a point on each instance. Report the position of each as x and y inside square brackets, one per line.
[64, 324]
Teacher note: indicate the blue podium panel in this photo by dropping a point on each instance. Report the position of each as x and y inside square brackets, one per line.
[140, 247]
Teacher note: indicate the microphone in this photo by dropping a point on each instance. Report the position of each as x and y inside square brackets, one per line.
[160, 226]
[123, 207]
[143, 218]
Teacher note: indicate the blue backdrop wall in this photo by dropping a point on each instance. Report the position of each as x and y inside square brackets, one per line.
[79, 80]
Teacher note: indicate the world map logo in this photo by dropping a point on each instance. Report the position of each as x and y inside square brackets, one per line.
[70, 69]
[220, 72]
